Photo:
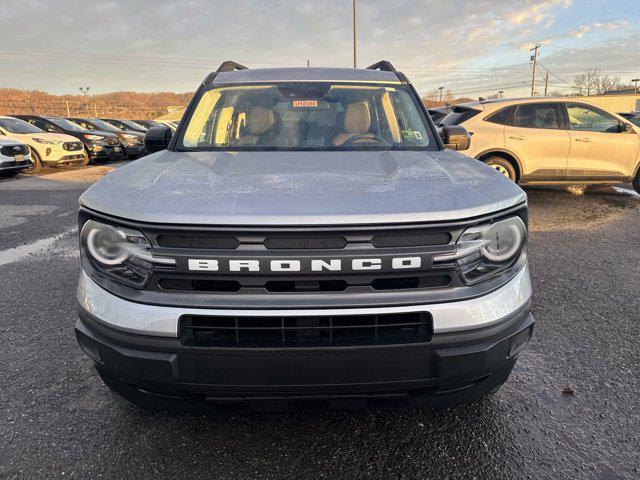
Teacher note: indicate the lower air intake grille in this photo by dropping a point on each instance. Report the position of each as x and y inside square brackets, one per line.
[319, 331]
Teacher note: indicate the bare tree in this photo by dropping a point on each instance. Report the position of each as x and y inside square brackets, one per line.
[609, 84]
[587, 83]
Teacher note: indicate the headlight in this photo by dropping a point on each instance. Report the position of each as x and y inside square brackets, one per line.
[487, 250]
[46, 142]
[129, 136]
[120, 253]
[90, 136]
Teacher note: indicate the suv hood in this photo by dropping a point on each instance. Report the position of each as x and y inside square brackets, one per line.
[302, 188]
[59, 137]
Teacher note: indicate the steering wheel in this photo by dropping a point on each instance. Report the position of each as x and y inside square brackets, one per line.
[372, 137]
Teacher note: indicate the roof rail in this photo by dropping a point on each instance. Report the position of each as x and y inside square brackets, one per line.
[386, 66]
[228, 66]
[383, 65]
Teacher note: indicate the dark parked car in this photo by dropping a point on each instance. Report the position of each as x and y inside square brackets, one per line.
[101, 146]
[132, 141]
[126, 124]
[148, 123]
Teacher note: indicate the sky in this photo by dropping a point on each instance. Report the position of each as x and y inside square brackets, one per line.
[473, 48]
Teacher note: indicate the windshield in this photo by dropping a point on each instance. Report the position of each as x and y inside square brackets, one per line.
[306, 116]
[133, 125]
[66, 124]
[15, 125]
[102, 125]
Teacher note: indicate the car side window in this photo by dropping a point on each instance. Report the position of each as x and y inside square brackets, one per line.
[38, 123]
[537, 115]
[586, 118]
[501, 117]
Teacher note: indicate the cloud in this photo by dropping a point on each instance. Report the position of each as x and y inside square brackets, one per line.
[537, 11]
[147, 45]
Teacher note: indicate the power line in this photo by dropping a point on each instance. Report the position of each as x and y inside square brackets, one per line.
[559, 78]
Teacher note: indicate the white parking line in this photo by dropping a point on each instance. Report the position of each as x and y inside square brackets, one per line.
[16, 254]
[627, 191]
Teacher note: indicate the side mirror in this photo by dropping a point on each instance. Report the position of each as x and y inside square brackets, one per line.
[157, 138]
[455, 137]
[627, 128]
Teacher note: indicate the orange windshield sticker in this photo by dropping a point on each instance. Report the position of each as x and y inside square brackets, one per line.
[305, 103]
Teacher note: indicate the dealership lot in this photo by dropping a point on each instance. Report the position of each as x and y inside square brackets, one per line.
[568, 410]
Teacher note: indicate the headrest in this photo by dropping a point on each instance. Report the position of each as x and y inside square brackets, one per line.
[259, 120]
[357, 118]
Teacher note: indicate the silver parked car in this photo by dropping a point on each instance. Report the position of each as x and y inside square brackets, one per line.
[14, 157]
[304, 239]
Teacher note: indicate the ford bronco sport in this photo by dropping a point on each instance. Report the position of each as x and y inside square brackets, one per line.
[304, 240]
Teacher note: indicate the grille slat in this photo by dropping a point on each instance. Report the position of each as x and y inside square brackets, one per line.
[419, 239]
[304, 286]
[307, 331]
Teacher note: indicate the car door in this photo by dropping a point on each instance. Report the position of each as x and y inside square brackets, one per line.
[600, 147]
[537, 137]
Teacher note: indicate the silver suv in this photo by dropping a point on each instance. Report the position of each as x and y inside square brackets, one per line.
[304, 240]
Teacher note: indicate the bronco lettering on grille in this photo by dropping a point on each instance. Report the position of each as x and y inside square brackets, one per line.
[309, 265]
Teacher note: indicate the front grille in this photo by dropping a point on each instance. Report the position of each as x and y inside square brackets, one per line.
[13, 150]
[305, 331]
[112, 140]
[305, 241]
[72, 146]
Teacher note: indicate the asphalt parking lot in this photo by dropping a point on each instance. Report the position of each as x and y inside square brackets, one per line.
[569, 410]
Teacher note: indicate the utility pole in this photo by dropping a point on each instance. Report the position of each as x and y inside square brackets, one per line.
[441, 94]
[68, 112]
[307, 63]
[500, 92]
[355, 45]
[534, 59]
[546, 83]
[635, 89]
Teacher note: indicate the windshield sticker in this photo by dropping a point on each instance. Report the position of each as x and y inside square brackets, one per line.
[305, 103]
[411, 135]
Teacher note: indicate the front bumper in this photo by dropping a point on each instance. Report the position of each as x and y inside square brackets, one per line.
[455, 365]
[106, 152]
[12, 165]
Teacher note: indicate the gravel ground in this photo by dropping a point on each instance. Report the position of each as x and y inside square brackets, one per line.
[58, 420]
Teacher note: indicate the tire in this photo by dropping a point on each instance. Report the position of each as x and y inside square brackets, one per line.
[636, 182]
[86, 160]
[37, 163]
[503, 166]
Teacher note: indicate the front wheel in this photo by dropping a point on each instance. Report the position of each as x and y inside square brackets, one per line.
[36, 165]
[502, 166]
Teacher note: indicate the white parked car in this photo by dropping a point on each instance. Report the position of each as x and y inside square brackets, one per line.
[51, 149]
[551, 140]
